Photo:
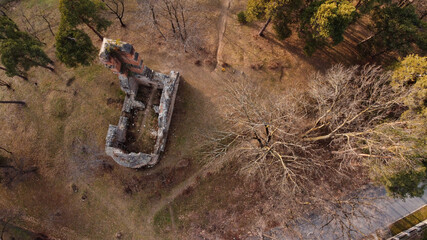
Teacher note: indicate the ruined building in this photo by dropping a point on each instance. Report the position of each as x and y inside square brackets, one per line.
[140, 136]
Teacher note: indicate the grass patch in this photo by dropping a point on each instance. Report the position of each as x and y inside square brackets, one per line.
[409, 221]
[59, 108]
[162, 220]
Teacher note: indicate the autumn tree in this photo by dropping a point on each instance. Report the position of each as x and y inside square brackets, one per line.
[83, 12]
[20, 51]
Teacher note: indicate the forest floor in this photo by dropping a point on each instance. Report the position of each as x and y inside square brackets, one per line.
[79, 193]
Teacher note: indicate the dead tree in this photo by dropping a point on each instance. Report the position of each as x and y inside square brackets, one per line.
[178, 22]
[30, 28]
[117, 7]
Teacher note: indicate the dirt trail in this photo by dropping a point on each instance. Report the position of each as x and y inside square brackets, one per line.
[222, 26]
[189, 182]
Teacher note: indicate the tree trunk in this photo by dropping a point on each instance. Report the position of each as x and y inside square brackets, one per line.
[358, 4]
[96, 32]
[21, 76]
[156, 24]
[261, 33]
[121, 22]
[13, 102]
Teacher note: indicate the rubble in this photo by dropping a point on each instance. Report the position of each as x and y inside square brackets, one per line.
[121, 58]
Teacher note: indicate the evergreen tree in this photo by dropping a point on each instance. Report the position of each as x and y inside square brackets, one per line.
[20, 51]
[87, 12]
[280, 12]
[74, 47]
[397, 29]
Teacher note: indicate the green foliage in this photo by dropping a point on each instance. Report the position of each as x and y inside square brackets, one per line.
[74, 47]
[8, 28]
[412, 73]
[406, 183]
[77, 12]
[398, 28]
[281, 27]
[241, 18]
[282, 12]
[405, 176]
[19, 51]
[256, 9]
[332, 18]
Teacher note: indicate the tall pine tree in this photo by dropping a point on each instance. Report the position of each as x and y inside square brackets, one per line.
[20, 51]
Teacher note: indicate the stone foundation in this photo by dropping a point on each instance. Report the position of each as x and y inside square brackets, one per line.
[122, 59]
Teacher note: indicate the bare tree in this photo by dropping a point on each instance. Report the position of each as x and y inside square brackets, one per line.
[342, 121]
[117, 7]
[46, 17]
[178, 22]
[309, 146]
[30, 27]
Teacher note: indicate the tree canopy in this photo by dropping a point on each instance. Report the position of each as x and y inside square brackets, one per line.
[332, 18]
[397, 29]
[87, 12]
[74, 47]
[20, 51]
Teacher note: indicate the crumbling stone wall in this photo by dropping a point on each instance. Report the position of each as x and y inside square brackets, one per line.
[121, 59]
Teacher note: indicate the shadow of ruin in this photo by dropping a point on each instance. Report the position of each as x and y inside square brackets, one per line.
[140, 136]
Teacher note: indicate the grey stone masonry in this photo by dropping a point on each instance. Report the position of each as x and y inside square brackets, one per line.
[121, 58]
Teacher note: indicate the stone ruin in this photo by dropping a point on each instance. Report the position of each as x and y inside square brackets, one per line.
[140, 136]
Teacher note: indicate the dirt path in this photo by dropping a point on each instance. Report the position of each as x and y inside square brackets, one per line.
[222, 26]
[189, 182]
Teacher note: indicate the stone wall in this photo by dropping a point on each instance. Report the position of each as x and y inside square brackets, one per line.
[121, 59]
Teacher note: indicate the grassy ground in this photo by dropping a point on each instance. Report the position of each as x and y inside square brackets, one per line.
[409, 221]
